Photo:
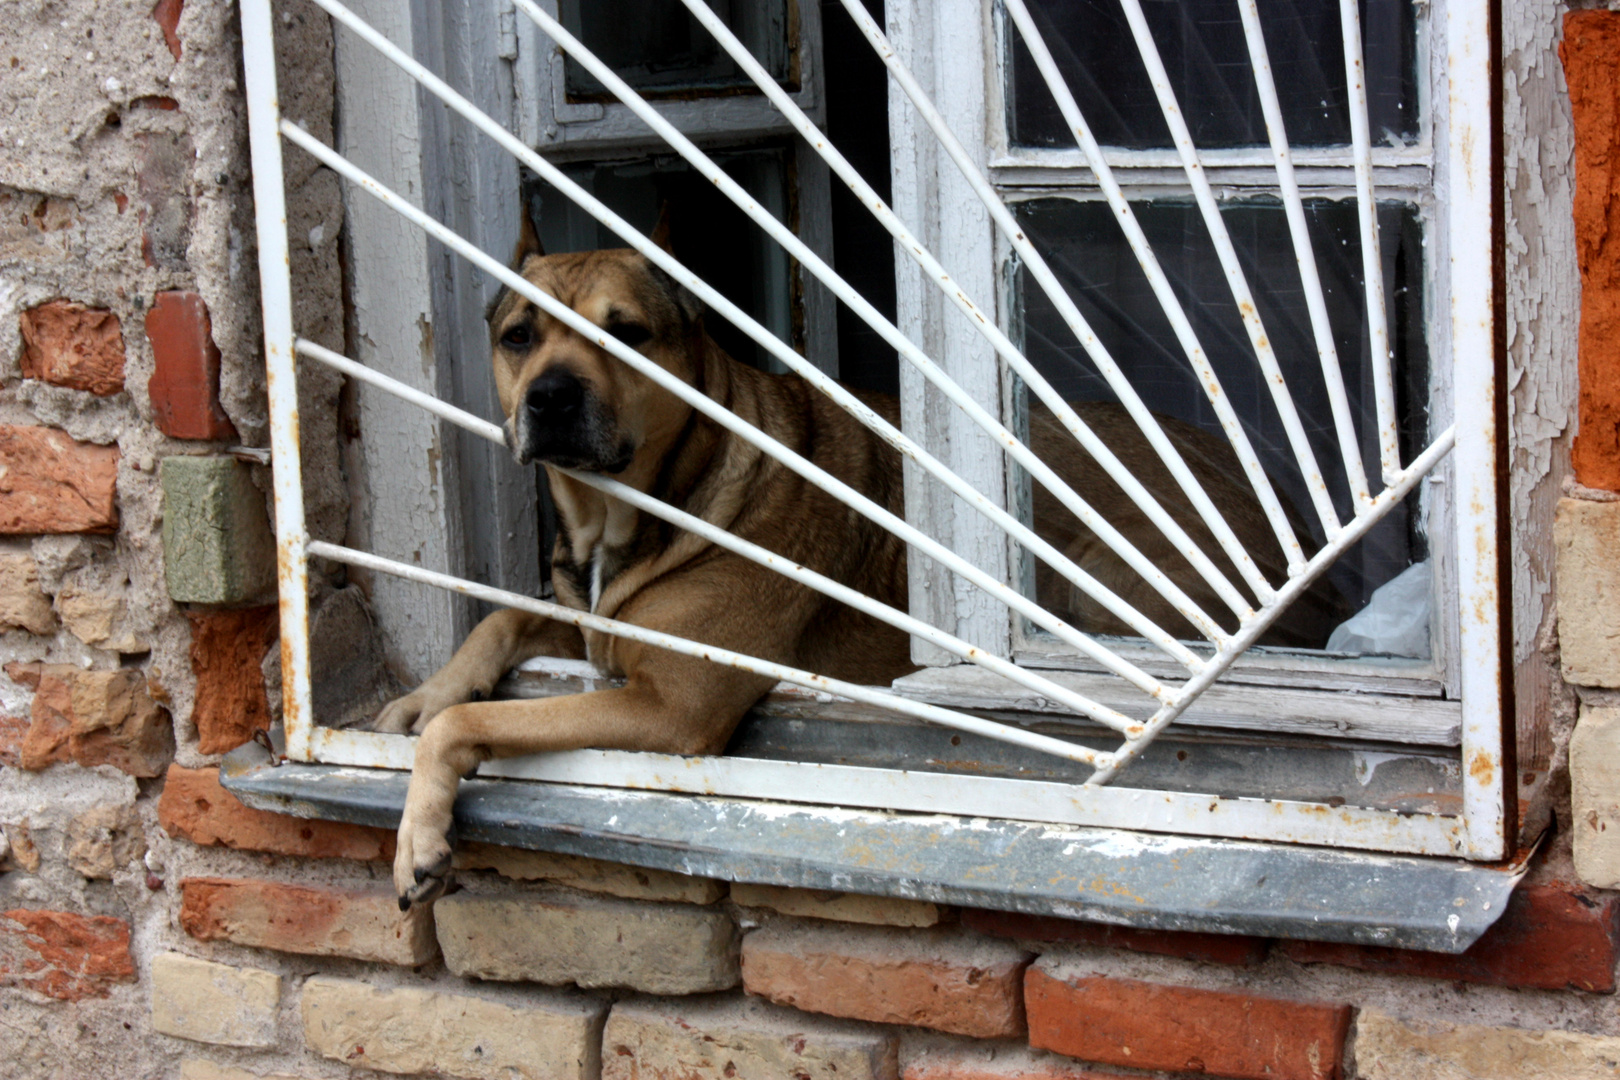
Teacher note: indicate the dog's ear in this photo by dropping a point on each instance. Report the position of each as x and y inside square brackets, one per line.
[661, 231]
[528, 241]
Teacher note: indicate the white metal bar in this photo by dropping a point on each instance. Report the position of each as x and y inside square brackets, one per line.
[764, 557]
[1160, 284]
[1236, 279]
[1020, 453]
[1305, 256]
[1378, 506]
[701, 402]
[275, 293]
[1132, 809]
[1024, 535]
[586, 621]
[1372, 262]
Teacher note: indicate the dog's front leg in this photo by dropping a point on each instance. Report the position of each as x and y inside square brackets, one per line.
[495, 646]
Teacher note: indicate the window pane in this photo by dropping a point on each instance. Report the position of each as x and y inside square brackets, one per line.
[1084, 245]
[1202, 46]
[657, 47]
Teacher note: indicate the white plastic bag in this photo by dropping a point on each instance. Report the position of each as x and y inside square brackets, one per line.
[1395, 621]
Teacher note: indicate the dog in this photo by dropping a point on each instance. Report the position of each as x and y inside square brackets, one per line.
[570, 404]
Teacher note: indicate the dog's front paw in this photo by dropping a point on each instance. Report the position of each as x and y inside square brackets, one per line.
[410, 714]
[421, 864]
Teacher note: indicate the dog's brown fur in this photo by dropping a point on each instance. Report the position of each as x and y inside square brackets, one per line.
[645, 572]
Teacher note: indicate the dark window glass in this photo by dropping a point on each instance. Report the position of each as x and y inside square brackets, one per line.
[1202, 46]
[1086, 249]
[658, 48]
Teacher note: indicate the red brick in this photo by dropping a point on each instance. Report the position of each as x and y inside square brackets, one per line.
[1550, 937]
[928, 978]
[195, 807]
[97, 718]
[1209, 948]
[167, 14]
[51, 484]
[71, 345]
[50, 727]
[184, 389]
[13, 730]
[63, 955]
[1144, 1025]
[365, 924]
[227, 649]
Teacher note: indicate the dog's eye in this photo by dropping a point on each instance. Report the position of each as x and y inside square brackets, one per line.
[518, 337]
[632, 334]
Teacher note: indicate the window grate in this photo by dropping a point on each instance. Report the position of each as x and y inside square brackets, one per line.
[1478, 833]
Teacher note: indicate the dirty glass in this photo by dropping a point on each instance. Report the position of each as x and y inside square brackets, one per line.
[1084, 246]
[658, 48]
[1203, 49]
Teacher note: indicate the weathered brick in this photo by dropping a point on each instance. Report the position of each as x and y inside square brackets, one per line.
[103, 840]
[214, 1003]
[13, 731]
[196, 807]
[996, 1061]
[217, 544]
[64, 955]
[1594, 774]
[71, 345]
[365, 924]
[838, 906]
[97, 718]
[719, 1038]
[1233, 949]
[1585, 537]
[1115, 1021]
[49, 483]
[227, 649]
[488, 1035]
[928, 978]
[1550, 937]
[167, 14]
[97, 617]
[592, 875]
[184, 388]
[22, 604]
[555, 937]
[1391, 1049]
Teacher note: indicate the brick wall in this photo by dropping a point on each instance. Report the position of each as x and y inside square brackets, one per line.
[153, 926]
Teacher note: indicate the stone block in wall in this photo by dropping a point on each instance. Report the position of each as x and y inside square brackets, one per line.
[1594, 774]
[23, 605]
[1235, 949]
[927, 978]
[64, 955]
[51, 483]
[1586, 536]
[730, 1038]
[218, 547]
[962, 1059]
[1143, 1025]
[483, 1035]
[361, 923]
[203, 1069]
[214, 1003]
[196, 807]
[592, 875]
[1551, 937]
[556, 937]
[97, 718]
[184, 388]
[227, 656]
[67, 344]
[97, 618]
[103, 840]
[1388, 1048]
[837, 906]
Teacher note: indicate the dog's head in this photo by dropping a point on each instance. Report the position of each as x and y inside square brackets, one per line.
[568, 401]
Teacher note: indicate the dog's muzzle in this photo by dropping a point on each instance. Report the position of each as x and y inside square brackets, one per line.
[562, 422]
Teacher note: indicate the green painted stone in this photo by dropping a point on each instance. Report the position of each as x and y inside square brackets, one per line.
[217, 543]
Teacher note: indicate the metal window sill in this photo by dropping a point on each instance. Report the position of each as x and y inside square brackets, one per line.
[1104, 875]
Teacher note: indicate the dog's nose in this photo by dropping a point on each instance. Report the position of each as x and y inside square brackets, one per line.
[554, 399]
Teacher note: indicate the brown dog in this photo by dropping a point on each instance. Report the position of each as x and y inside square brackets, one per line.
[571, 404]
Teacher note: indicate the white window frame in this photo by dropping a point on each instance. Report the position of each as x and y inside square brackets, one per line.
[1466, 171]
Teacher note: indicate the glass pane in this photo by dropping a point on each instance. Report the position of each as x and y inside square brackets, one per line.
[709, 234]
[1202, 46]
[1084, 245]
[658, 48]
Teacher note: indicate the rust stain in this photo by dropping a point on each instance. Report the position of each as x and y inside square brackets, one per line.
[1483, 768]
